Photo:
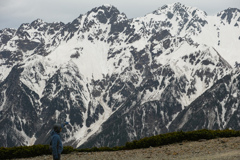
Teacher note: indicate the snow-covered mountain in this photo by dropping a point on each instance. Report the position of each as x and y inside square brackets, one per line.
[117, 79]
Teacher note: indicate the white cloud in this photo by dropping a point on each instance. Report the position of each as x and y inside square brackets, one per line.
[15, 12]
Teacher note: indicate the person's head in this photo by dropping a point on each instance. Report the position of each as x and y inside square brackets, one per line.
[57, 127]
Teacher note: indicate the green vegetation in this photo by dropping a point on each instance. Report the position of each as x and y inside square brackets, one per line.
[175, 137]
[159, 140]
[29, 151]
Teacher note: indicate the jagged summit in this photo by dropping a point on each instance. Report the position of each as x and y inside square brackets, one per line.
[106, 9]
[180, 9]
[34, 24]
[37, 22]
[231, 15]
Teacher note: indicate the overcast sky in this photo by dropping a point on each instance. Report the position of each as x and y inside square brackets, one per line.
[15, 12]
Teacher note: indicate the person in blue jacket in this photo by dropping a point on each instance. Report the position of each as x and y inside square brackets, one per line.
[56, 142]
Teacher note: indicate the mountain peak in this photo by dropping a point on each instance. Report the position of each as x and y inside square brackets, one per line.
[179, 8]
[37, 22]
[171, 5]
[229, 14]
[107, 5]
[176, 4]
[104, 13]
[106, 8]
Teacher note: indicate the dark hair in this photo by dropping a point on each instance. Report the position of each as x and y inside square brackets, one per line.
[57, 127]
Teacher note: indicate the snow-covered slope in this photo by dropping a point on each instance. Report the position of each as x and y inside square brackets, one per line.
[217, 108]
[114, 79]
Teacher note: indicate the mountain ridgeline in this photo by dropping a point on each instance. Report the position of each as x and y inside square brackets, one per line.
[117, 79]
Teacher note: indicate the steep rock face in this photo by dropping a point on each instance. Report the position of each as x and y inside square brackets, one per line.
[177, 18]
[34, 38]
[6, 35]
[64, 99]
[28, 39]
[114, 79]
[217, 108]
[18, 111]
[160, 97]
